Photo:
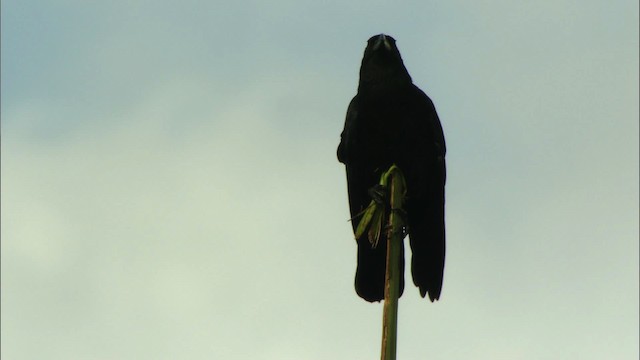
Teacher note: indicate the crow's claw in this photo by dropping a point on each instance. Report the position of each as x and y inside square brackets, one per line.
[379, 194]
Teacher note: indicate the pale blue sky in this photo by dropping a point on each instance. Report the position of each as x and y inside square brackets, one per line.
[170, 188]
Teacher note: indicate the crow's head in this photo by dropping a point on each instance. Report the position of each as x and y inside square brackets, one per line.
[382, 64]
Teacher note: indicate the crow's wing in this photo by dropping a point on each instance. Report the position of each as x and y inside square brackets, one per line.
[425, 204]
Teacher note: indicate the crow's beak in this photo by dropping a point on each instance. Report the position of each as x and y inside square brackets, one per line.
[382, 41]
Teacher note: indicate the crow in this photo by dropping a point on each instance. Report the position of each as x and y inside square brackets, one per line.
[391, 121]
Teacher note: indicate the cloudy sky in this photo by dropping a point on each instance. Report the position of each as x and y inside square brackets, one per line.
[170, 188]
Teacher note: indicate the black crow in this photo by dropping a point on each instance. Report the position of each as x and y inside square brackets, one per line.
[391, 121]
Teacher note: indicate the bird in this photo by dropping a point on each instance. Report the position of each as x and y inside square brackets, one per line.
[391, 121]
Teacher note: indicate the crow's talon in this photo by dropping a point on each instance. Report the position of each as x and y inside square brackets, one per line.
[402, 213]
[403, 217]
[379, 194]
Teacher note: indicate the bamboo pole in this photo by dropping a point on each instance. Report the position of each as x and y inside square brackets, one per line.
[395, 236]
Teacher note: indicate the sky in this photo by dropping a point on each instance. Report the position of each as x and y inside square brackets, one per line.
[170, 188]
